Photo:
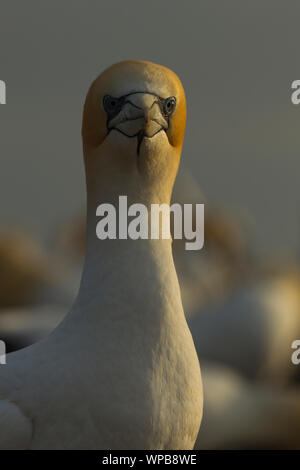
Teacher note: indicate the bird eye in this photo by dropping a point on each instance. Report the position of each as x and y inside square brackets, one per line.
[110, 103]
[169, 105]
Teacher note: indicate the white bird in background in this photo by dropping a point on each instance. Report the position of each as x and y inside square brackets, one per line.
[253, 330]
[239, 414]
[121, 370]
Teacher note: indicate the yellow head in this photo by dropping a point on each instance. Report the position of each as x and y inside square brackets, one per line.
[133, 128]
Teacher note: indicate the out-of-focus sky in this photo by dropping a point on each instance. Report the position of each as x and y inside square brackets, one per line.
[237, 61]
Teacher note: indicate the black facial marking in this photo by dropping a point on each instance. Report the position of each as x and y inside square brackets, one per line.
[140, 137]
[113, 106]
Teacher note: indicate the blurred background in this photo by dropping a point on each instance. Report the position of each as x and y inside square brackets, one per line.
[241, 293]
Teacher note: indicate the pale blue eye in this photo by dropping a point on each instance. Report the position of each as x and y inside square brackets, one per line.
[110, 104]
[169, 105]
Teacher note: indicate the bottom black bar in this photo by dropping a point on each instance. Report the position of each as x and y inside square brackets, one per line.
[135, 459]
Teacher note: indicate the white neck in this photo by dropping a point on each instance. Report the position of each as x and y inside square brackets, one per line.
[132, 275]
[127, 277]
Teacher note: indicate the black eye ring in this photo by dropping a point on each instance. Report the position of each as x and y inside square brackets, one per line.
[110, 104]
[169, 105]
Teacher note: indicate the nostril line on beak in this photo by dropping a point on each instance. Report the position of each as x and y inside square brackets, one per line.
[147, 115]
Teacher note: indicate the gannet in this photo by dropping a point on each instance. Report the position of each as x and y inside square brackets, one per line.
[121, 370]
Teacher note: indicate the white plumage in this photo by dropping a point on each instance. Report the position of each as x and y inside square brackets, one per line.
[120, 371]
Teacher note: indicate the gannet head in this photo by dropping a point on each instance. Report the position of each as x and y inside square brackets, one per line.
[133, 126]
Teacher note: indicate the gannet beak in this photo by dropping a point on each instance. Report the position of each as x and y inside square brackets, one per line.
[139, 112]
